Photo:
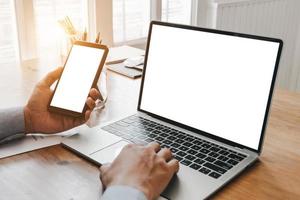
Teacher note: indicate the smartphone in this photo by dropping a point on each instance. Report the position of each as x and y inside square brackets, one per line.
[81, 72]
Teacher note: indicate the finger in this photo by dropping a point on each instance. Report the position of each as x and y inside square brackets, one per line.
[94, 93]
[90, 103]
[87, 115]
[173, 165]
[102, 170]
[52, 76]
[165, 153]
[78, 121]
[104, 167]
[154, 145]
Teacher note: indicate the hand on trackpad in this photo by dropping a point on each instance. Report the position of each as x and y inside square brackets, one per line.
[108, 154]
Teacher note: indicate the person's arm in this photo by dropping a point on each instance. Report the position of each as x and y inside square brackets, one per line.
[12, 124]
[35, 116]
[123, 192]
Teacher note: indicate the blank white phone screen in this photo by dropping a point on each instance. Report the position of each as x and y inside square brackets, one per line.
[216, 83]
[77, 78]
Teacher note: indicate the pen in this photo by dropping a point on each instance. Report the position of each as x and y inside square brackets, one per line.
[97, 38]
[70, 25]
[84, 37]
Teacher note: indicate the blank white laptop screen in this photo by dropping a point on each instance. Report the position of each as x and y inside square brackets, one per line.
[71, 93]
[216, 83]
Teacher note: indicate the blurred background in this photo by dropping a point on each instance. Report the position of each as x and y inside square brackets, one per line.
[32, 40]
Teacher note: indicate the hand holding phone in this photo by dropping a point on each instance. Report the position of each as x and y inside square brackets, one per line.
[81, 72]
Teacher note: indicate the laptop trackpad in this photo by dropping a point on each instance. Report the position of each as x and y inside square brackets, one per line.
[108, 154]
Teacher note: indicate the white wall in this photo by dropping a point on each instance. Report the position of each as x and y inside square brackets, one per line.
[271, 18]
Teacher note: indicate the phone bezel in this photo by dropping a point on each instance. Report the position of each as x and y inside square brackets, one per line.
[96, 78]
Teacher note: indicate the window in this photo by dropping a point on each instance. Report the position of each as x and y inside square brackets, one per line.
[8, 44]
[131, 17]
[49, 36]
[177, 11]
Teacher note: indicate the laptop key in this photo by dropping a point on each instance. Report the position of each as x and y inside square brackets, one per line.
[206, 146]
[213, 154]
[223, 164]
[186, 162]
[196, 147]
[215, 149]
[210, 159]
[164, 135]
[174, 133]
[120, 123]
[152, 135]
[235, 157]
[222, 158]
[165, 146]
[127, 137]
[187, 144]
[190, 157]
[142, 137]
[194, 166]
[201, 155]
[181, 136]
[171, 137]
[159, 138]
[193, 152]
[180, 141]
[223, 152]
[179, 158]
[214, 175]
[149, 140]
[181, 153]
[215, 168]
[175, 145]
[232, 162]
[183, 148]
[167, 142]
[199, 161]
[204, 151]
[204, 170]
[138, 141]
[197, 142]
[189, 139]
[174, 150]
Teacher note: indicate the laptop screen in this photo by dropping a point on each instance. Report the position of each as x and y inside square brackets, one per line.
[212, 81]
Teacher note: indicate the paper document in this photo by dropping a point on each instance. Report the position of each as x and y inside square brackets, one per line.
[33, 142]
[119, 54]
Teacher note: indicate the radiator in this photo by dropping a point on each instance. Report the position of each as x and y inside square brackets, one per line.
[273, 18]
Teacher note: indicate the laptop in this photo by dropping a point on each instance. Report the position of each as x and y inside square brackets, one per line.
[206, 95]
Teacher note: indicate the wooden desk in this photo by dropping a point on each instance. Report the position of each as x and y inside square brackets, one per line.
[55, 173]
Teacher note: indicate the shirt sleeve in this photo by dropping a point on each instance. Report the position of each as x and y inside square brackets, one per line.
[12, 125]
[123, 192]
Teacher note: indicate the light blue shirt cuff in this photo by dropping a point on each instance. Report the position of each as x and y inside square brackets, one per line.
[12, 125]
[122, 192]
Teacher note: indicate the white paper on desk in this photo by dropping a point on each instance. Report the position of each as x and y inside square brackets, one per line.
[119, 54]
[33, 142]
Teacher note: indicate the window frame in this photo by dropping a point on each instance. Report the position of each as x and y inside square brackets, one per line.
[25, 25]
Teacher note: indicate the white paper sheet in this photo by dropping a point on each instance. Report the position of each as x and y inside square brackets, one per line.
[33, 142]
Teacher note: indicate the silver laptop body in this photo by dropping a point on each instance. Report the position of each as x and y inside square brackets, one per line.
[203, 92]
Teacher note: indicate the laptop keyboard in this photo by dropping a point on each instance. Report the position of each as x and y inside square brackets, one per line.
[198, 154]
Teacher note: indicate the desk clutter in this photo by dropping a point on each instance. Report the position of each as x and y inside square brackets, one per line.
[126, 60]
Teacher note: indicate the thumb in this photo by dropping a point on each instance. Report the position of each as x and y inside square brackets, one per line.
[104, 167]
[52, 76]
